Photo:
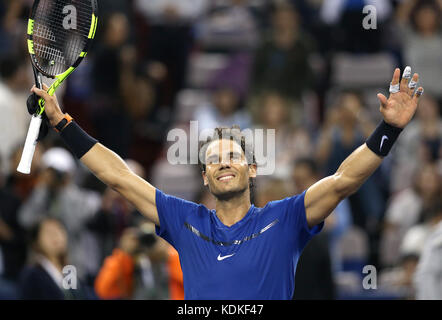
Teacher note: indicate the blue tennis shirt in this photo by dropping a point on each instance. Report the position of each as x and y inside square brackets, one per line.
[254, 259]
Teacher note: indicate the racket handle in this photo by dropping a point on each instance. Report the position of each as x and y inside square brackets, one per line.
[30, 144]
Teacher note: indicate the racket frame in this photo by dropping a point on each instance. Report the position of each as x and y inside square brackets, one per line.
[34, 127]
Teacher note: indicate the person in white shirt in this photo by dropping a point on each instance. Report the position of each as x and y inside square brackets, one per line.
[14, 81]
[428, 276]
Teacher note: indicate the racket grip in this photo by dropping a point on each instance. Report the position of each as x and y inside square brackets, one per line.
[30, 144]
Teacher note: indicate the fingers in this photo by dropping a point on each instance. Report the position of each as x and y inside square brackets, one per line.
[396, 76]
[382, 99]
[404, 84]
[42, 93]
[418, 94]
[406, 76]
[394, 85]
[413, 84]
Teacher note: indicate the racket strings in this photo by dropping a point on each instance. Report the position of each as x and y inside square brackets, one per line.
[44, 32]
[50, 54]
[59, 40]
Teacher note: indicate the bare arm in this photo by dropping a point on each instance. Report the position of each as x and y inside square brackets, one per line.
[109, 167]
[323, 197]
[113, 171]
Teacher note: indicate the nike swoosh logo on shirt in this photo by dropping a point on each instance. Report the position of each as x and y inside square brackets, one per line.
[221, 258]
[382, 142]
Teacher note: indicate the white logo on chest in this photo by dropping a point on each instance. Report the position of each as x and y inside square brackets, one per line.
[221, 258]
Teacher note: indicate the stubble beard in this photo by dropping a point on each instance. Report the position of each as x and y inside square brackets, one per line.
[228, 195]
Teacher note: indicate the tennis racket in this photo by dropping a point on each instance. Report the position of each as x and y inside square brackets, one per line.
[60, 33]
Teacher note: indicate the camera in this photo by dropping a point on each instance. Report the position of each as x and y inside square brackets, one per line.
[146, 235]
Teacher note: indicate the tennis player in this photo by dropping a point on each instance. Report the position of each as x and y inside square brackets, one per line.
[239, 251]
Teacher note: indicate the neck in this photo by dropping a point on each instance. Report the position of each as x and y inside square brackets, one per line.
[234, 209]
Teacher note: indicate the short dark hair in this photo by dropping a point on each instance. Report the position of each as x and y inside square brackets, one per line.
[225, 133]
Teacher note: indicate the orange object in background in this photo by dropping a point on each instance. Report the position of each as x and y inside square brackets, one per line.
[176, 287]
[115, 279]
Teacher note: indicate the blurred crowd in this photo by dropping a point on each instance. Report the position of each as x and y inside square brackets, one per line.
[306, 68]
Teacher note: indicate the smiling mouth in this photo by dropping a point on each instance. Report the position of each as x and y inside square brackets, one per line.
[226, 177]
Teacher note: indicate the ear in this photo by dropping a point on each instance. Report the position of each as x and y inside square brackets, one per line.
[206, 181]
[252, 171]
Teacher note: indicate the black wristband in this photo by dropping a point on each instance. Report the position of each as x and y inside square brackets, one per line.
[382, 139]
[77, 139]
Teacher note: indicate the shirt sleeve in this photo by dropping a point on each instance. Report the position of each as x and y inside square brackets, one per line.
[172, 213]
[294, 216]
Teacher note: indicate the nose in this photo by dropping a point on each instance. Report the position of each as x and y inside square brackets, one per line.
[225, 163]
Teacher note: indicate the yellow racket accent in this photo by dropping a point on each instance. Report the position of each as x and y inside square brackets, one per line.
[30, 26]
[60, 78]
[31, 46]
[93, 27]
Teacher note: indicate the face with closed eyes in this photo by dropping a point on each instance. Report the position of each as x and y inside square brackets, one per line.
[227, 172]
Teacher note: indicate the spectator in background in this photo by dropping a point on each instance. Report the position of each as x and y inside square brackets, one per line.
[13, 18]
[427, 279]
[109, 116]
[306, 173]
[176, 285]
[347, 126]
[114, 216]
[43, 279]
[420, 144]
[138, 92]
[152, 282]
[170, 36]
[420, 29]
[270, 190]
[108, 223]
[405, 210]
[415, 238]
[282, 60]
[140, 86]
[116, 6]
[223, 110]
[135, 270]
[57, 196]
[14, 84]
[416, 274]
[292, 142]
[398, 281]
[20, 184]
[110, 52]
[228, 26]
[116, 277]
[346, 16]
[12, 244]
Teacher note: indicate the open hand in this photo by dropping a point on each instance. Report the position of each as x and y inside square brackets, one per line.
[400, 107]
